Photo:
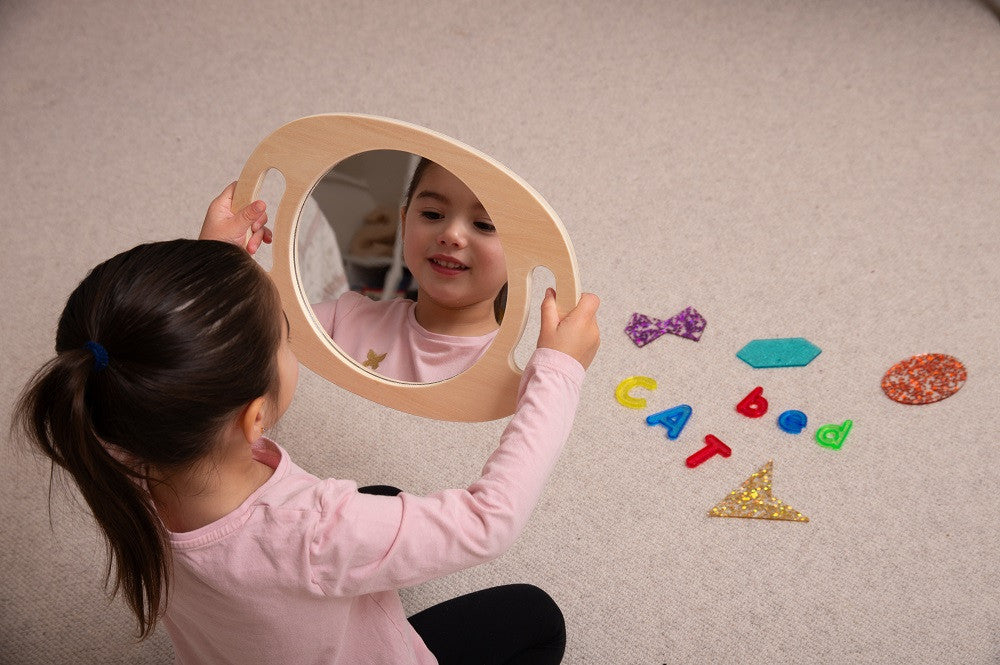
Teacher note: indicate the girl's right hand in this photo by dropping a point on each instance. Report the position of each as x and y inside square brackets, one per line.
[576, 334]
[244, 228]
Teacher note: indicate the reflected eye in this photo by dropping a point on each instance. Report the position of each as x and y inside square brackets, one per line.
[485, 227]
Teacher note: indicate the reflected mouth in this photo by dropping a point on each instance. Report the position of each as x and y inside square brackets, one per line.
[447, 263]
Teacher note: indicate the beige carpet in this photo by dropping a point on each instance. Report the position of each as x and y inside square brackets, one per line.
[829, 170]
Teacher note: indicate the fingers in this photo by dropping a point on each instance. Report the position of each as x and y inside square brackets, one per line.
[246, 228]
[575, 334]
[254, 244]
[259, 223]
[252, 220]
[253, 215]
[550, 313]
[263, 235]
[587, 306]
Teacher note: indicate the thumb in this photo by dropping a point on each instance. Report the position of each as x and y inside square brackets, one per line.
[550, 313]
[228, 192]
[252, 213]
[225, 199]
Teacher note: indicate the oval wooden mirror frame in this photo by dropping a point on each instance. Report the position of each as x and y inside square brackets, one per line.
[304, 150]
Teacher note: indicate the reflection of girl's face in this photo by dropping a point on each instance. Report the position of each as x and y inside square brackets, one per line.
[449, 243]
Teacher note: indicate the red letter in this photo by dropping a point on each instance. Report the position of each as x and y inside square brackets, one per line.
[753, 405]
[712, 447]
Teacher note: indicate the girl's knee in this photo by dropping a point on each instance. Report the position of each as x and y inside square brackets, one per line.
[543, 607]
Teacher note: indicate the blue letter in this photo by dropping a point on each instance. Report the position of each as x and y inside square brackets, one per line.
[792, 422]
[673, 419]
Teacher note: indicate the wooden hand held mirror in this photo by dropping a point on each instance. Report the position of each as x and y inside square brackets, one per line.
[304, 150]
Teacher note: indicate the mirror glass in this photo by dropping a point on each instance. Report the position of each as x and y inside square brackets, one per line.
[402, 266]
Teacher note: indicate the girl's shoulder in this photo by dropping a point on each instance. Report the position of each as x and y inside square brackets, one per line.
[352, 305]
[359, 306]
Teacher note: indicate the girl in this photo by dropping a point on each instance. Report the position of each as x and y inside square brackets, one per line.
[171, 360]
[454, 254]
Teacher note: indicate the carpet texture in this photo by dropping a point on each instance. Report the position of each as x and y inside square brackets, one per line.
[826, 170]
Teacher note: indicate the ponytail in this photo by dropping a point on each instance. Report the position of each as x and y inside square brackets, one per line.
[52, 413]
[186, 335]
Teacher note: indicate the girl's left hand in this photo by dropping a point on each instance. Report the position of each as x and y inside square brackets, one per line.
[221, 223]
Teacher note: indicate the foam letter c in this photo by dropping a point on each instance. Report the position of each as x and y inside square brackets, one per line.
[622, 391]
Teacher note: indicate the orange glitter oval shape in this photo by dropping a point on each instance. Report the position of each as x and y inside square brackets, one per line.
[923, 379]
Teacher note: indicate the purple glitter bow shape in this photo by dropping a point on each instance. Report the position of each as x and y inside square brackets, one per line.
[644, 329]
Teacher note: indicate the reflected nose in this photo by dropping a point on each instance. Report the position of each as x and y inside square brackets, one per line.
[453, 233]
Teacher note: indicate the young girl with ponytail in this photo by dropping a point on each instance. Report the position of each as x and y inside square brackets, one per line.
[172, 358]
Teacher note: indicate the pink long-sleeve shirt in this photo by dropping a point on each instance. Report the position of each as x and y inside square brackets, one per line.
[359, 325]
[306, 570]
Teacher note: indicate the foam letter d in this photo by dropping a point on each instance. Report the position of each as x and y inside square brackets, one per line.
[753, 405]
[833, 436]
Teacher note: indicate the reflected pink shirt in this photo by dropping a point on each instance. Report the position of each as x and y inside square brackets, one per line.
[359, 325]
[306, 570]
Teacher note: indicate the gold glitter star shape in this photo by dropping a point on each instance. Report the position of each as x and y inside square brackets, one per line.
[753, 499]
[374, 359]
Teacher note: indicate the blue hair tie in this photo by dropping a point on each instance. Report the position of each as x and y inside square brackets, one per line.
[100, 355]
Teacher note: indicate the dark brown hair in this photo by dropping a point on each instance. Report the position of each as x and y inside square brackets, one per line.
[191, 329]
[418, 173]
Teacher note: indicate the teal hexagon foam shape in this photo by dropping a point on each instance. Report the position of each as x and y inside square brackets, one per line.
[779, 352]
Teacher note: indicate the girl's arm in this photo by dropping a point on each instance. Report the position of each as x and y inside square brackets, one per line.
[364, 544]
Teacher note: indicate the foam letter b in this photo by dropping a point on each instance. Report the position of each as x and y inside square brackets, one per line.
[753, 405]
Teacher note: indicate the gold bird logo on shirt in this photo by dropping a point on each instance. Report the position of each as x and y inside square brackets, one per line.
[374, 359]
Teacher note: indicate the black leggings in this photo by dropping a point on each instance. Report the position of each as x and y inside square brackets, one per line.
[517, 624]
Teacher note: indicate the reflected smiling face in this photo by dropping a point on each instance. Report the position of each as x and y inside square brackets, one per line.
[452, 248]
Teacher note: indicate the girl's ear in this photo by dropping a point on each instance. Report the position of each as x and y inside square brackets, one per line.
[252, 421]
[402, 220]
